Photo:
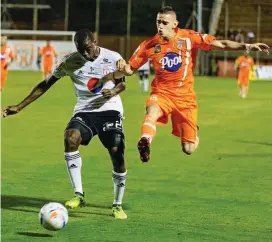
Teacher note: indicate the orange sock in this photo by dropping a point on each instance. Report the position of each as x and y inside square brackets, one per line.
[148, 128]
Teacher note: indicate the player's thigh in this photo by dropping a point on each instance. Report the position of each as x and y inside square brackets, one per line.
[146, 74]
[159, 106]
[4, 75]
[110, 129]
[184, 124]
[47, 68]
[81, 122]
[141, 75]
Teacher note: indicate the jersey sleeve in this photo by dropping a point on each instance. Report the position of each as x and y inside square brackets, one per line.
[116, 57]
[59, 70]
[139, 57]
[201, 41]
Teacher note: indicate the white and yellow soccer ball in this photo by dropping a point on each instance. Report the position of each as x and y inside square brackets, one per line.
[53, 216]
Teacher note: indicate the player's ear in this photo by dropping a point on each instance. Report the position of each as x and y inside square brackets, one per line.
[176, 24]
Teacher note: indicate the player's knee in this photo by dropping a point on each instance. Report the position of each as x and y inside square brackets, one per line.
[188, 148]
[154, 111]
[72, 139]
[116, 151]
[118, 146]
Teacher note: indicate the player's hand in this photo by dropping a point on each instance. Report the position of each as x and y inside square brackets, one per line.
[108, 93]
[10, 110]
[121, 64]
[259, 47]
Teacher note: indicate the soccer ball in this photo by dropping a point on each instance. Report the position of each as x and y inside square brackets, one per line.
[53, 216]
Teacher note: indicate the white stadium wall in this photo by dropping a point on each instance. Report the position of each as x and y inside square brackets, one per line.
[26, 52]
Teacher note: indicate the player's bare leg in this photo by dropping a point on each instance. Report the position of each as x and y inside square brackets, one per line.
[72, 140]
[153, 112]
[119, 175]
[189, 147]
[244, 92]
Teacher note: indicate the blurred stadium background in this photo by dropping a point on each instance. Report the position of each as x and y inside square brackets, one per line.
[220, 193]
[133, 21]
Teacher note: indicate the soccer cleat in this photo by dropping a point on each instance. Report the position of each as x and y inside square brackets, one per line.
[118, 212]
[77, 201]
[144, 149]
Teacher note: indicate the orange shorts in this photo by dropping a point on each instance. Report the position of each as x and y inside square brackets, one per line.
[47, 68]
[183, 116]
[4, 75]
[243, 79]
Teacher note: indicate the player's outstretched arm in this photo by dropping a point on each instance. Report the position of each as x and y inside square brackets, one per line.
[232, 45]
[37, 91]
[124, 67]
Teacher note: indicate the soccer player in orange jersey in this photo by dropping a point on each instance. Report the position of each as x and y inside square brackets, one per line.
[6, 59]
[244, 63]
[48, 55]
[172, 89]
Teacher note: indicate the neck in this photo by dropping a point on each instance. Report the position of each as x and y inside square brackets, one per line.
[96, 53]
[169, 37]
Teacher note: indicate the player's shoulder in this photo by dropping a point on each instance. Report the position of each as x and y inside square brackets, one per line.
[67, 59]
[149, 42]
[70, 57]
[111, 54]
[186, 32]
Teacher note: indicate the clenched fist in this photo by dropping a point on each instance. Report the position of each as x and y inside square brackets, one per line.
[10, 110]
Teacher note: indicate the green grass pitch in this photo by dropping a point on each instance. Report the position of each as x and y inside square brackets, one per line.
[220, 193]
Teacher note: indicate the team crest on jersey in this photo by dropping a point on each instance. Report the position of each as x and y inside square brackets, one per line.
[179, 44]
[157, 49]
[94, 85]
[171, 62]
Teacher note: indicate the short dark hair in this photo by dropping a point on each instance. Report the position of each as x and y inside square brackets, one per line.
[166, 9]
[83, 35]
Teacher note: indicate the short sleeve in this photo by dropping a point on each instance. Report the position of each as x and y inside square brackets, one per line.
[201, 41]
[59, 70]
[139, 57]
[115, 57]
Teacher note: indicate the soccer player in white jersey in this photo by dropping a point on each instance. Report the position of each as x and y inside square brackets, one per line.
[143, 73]
[98, 111]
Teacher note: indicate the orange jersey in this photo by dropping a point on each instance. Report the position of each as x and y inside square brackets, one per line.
[6, 55]
[48, 55]
[172, 61]
[245, 63]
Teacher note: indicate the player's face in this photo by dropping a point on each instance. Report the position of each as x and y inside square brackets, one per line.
[166, 23]
[87, 49]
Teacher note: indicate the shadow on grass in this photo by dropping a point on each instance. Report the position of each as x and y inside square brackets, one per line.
[33, 205]
[30, 234]
[254, 142]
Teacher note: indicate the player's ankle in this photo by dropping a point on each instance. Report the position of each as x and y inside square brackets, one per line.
[80, 194]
